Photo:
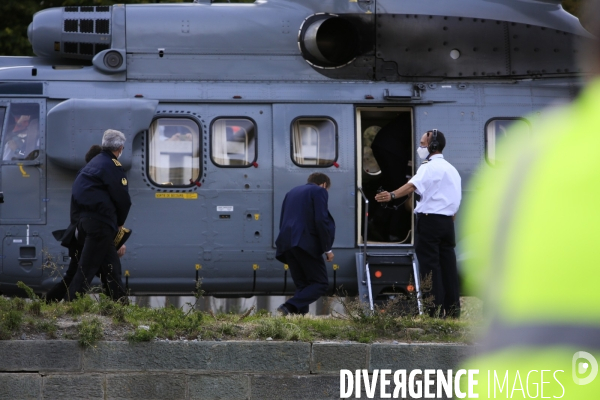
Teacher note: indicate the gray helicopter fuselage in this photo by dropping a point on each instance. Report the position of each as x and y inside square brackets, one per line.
[226, 107]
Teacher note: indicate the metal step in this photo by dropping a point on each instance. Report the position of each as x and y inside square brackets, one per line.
[390, 259]
[385, 262]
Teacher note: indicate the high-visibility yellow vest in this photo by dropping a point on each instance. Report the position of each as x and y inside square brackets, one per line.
[533, 227]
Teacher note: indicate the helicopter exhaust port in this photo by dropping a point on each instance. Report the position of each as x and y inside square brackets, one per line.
[328, 41]
[75, 32]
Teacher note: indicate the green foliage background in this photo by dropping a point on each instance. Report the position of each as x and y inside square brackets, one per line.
[15, 16]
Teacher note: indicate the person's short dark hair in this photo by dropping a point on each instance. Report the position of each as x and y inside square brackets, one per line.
[441, 139]
[319, 178]
[93, 152]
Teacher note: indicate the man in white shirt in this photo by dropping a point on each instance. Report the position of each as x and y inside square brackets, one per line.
[438, 184]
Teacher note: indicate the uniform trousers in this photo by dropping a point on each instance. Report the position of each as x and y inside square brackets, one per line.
[310, 277]
[435, 251]
[58, 291]
[98, 255]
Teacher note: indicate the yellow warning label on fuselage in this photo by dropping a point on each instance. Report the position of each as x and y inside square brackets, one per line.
[25, 174]
[187, 196]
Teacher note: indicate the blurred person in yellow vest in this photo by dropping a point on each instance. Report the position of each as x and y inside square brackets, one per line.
[534, 228]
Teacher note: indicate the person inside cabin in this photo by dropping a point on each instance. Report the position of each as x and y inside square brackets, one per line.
[23, 137]
[391, 148]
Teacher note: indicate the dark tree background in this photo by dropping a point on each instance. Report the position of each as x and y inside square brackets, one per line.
[16, 15]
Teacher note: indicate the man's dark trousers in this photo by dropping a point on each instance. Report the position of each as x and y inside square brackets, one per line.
[310, 277]
[58, 291]
[98, 252]
[435, 252]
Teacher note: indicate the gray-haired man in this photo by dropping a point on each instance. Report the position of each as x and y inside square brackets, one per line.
[101, 195]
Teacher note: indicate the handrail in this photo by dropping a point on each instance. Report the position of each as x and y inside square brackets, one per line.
[360, 189]
[418, 285]
[365, 266]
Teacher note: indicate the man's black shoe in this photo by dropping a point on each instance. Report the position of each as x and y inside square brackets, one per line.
[283, 310]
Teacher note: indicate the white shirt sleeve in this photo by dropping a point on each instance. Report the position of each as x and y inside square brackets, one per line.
[421, 180]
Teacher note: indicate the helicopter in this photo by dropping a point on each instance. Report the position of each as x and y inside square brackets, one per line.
[226, 107]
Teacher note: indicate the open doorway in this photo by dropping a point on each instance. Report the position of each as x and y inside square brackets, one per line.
[385, 162]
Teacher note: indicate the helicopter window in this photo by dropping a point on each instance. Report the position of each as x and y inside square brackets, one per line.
[496, 129]
[314, 142]
[22, 139]
[233, 142]
[174, 152]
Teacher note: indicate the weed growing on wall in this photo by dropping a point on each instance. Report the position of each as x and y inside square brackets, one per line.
[90, 332]
[47, 327]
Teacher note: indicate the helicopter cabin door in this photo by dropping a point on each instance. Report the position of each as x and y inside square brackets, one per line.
[23, 184]
[22, 176]
[311, 138]
[385, 162]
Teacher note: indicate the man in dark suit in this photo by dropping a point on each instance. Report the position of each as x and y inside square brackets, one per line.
[70, 240]
[101, 195]
[306, 232]
[74, 243]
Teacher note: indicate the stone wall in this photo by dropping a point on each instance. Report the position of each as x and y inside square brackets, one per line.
[202, 370]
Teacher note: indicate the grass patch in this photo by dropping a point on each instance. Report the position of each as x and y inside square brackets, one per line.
[35, 307]
[81, 305]
[90, 332]
[89, 319]
[142, 333]
[280, 328]
[12, 320]
[47, 327]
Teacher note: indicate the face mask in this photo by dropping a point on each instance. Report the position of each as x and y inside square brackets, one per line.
[119, 156]
[422, 152]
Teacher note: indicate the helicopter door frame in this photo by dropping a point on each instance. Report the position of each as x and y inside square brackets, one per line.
[360, 111]
[23, 176]
[287, 173]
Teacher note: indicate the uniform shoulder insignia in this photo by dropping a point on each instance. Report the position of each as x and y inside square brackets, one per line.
[117, 163]
[425, 162]
[124, 181]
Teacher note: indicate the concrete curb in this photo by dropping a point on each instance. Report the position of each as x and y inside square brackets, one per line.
[202, 370]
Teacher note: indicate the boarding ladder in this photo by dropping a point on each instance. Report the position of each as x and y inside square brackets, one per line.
[391, 262]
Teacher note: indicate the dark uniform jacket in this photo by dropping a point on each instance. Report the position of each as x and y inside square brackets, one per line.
[100, 190]
[305, 222]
